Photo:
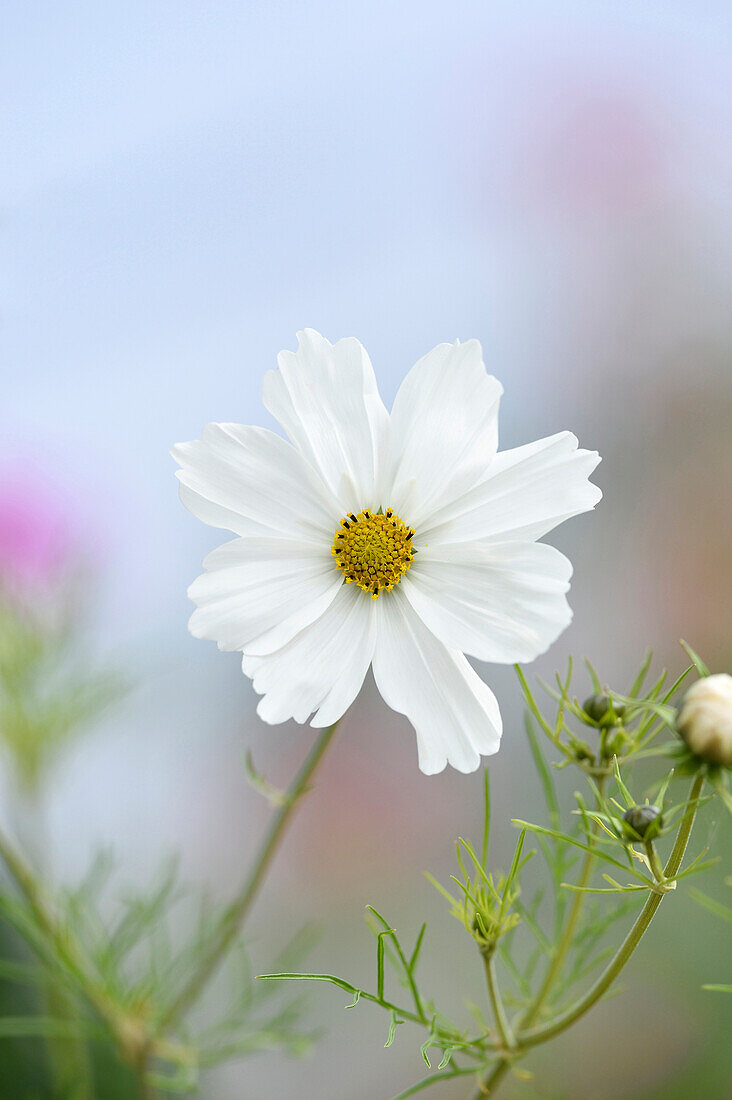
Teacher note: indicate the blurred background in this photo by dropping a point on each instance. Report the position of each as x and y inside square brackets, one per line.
[186, 185]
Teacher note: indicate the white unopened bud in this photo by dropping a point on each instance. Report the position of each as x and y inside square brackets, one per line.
[705, 719]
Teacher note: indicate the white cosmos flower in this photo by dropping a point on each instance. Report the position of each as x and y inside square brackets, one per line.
[433, 527]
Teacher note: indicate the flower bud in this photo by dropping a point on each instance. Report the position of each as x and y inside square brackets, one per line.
[705, 719]
[603, 710]
[646, 821]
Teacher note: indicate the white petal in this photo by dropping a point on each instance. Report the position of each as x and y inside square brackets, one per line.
[455, 715]
[325, 397]
[250, 481]
[261, 591]
[527, 492]
[267, 550]
[323, 667]
[500, 602]
[444, 428]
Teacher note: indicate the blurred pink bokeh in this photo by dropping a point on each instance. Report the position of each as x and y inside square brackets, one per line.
[38, 536]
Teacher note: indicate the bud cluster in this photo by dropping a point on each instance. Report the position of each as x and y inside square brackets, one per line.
[606, 714]
[625, 725]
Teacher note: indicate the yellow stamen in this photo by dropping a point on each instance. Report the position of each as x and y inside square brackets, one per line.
[373, 551]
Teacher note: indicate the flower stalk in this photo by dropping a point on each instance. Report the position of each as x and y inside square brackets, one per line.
[528, 1036]
[502, 1067]
[499, 1012]
[234, 917]
[626, 949]
[562, 949]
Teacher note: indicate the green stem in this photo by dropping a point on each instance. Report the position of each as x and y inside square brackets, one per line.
[567, 937]
[62, 943]
[502, 1067]
[490, 1083]
[235, 915]
[528, 1036]
[653, 861]
[626, 949]
[499, 1012]
[68, 1057]
[134, 1043]
[564, 944]
[144, 1090]
[58, 939]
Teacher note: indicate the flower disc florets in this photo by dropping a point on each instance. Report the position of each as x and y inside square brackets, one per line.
[372, 550]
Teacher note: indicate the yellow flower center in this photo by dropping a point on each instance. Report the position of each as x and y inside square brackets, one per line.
[373, 551]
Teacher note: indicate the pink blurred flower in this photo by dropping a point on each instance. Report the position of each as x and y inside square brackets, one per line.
[600, 149]
[591, 144]
[36, 531]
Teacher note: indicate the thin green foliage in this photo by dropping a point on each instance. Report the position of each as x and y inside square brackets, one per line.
[538, 945]
[540, 929]
[120, 964]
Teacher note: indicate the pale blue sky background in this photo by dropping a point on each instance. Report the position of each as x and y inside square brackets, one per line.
[187, 184]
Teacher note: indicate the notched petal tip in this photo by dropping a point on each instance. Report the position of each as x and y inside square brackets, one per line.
[466, 766]
[305, 334]
[183, 452]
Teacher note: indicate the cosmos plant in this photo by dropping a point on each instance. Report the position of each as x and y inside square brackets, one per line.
[405, 542]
